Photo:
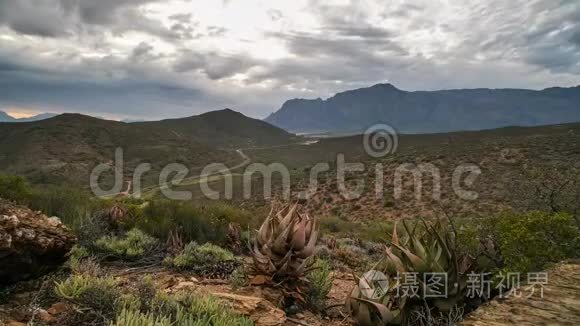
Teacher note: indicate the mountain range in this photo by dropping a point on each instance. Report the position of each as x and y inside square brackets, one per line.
[429, 111]
[5, 117]
[66, 147]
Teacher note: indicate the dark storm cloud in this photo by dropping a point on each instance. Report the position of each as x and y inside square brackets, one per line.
[58, 18]
[41, 18]
[542, 33]
[126, 97]
[120, 89]
[575, 38]
[213, 65]
[347, 21]
[415, 45]
[345, 48]
[101, 12]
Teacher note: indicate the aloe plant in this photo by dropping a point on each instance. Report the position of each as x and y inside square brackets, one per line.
[420, 252]
[283, 243]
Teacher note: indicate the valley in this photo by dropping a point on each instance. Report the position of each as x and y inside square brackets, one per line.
[289, 163]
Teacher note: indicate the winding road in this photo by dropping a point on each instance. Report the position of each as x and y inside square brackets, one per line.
[151, 190]
[245, 160]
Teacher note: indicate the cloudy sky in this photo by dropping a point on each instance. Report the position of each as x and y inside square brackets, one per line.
[154, 59]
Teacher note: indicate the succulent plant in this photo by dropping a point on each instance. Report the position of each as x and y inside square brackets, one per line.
[370, 311]
[283, 243]
[174, 243]
[234, 238]
[116, 213]
[421, 252]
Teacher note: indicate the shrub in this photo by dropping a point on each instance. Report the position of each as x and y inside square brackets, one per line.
[375, 231]
[15, 188]
[322, 252]
[239, 277]
[349, 258]
[531, 240]
[131, 317]
[320, 284]
[100, 301]
[100, 295]
[196, 223]
[71, 205]
[207, 260]
[188, 309]
[81, 262]
[333, 225]
[76, 255]
[135, 244]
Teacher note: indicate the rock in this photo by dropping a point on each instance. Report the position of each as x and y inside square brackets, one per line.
[259, 280]
[30, 243]
[184, 285]
[57, 308]
[44, 316]
[261, 311]
[14, 323]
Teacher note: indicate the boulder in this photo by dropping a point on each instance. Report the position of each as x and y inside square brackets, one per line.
[31, 243]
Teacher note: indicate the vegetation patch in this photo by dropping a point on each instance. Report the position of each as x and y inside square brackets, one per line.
[207, 260]
[134, 244]
[320, 279]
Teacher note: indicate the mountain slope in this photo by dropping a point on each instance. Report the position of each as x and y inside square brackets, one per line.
[5, 117]
[423, 111]
[224, 129]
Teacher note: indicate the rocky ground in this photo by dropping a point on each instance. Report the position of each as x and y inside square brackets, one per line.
[31, 240]
[560, 304]
[27, 304]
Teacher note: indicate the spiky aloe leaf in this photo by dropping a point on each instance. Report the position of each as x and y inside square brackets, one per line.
[285, 240]
[418, 264]
[395, 236]
[310, 246]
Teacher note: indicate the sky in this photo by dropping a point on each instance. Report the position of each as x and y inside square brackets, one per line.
[154, 59]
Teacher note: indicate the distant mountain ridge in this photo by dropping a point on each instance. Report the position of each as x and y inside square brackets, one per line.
[224, 129]
[429, 111]
[5, 117]
[67, 146]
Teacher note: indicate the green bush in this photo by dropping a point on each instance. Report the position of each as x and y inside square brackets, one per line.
[530, 241]
[76, 255]
[207, 260]
[239, 277]
[182, 310]
[71, 205]
[100, 301]
[195, 255]
[196, 223]
[80, 261]
[134, 245]
[100, 295]
[334, 225]
[15, 188]
[320, 279]
[130, 317]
